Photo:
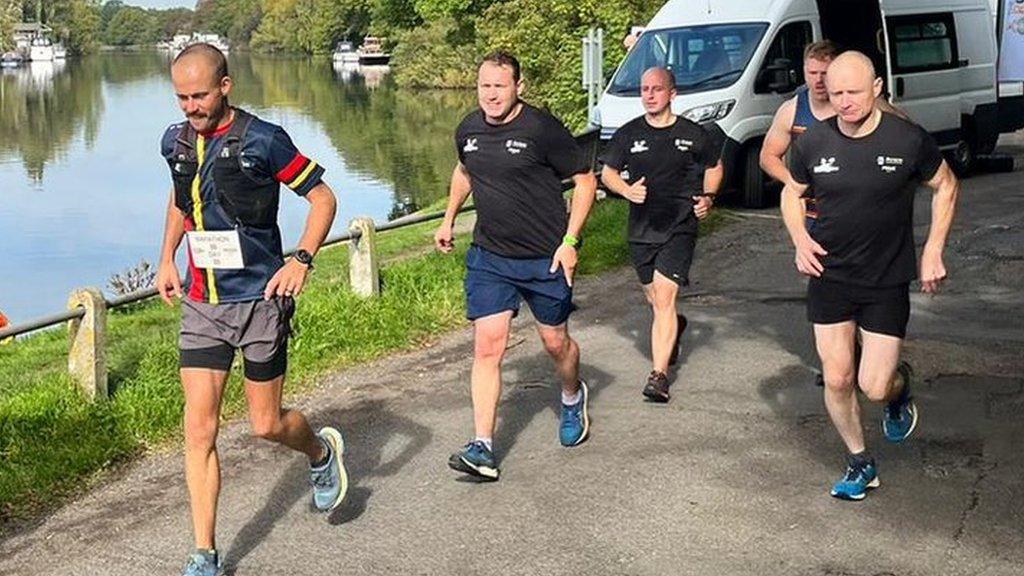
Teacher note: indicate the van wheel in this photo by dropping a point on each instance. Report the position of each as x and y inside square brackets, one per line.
[963, 158]
[754, 195]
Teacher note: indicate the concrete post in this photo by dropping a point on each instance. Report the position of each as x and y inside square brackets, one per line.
[363, 265]
[87, 356]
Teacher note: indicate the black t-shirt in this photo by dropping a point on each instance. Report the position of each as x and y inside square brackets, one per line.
[516, 172]
[864, 188]
[673, 160]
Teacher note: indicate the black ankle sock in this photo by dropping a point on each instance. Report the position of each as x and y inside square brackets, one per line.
[860, 459]
[327, 456]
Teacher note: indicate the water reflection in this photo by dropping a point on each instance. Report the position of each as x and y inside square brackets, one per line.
[82, 187]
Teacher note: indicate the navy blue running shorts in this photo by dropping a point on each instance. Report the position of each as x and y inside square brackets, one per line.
[495, 284]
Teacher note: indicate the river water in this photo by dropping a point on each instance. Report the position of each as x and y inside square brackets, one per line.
[83, 188]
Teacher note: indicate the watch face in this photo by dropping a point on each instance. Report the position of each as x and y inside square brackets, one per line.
[303, 256]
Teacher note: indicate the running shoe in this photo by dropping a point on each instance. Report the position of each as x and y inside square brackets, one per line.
[901, 414]
[201, 565]
[476, 459]
[656, 389]
[859, 478]
[330, 481]
[575, 421]
[681, 321]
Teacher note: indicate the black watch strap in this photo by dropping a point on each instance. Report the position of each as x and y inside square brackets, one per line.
[304, 257]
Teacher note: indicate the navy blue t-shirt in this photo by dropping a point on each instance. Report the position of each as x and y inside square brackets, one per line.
[266, 153]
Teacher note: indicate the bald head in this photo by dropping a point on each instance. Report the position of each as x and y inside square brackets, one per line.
[204, 55]
[855, 62]
[657, 89]
[853, 86]
[661, 75]
[201, 82]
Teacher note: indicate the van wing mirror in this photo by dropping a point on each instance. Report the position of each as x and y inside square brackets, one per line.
[779, 77]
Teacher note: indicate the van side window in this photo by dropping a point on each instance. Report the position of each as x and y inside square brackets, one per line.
[788, 48]
[923, 42]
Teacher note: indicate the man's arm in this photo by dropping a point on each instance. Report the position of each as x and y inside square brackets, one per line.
[583, 195]
[777, 142]
[458, 192]
[168, 281]
[946, 190]
[807, 250]
[289, 280]
[713, 178]
[635, 192]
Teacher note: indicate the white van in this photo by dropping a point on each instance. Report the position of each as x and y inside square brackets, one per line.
[737, 61]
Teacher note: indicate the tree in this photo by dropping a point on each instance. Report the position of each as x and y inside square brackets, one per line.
[10, 14]
[130, 26]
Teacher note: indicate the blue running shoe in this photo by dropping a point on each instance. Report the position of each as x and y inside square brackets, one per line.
[575, 424]
[200, 564]
[330, 481]
[858, 480]
[475, 458]
[901, 414]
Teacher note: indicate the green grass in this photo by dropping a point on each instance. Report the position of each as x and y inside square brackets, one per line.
[53, 442]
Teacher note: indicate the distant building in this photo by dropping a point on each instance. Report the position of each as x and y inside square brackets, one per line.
[26, 32]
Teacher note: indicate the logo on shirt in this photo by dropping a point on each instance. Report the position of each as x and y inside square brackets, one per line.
[514, 146]
[639, 146]
[683, 145]
[470, 145]
[889, 163]
[826, 166]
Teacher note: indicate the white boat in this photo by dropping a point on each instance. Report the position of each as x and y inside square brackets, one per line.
[371, 53]
[344, 52]
[10, 60]
[180, 42]
[41, 50]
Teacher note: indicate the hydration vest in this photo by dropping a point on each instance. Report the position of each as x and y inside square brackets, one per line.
[247, 199]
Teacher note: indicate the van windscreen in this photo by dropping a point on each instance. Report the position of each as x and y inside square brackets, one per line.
[701, 57]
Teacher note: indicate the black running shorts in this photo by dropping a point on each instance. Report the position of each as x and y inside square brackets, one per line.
[672, 259]
[879, 310]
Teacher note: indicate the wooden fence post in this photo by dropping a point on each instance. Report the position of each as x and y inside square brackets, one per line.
[363, 265]
[87, 355]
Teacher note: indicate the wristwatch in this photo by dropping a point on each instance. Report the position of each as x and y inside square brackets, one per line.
[304, 257]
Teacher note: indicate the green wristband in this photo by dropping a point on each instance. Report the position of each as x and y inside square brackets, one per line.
[570, 240]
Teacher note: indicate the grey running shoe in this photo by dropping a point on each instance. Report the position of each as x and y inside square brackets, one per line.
[330, 482]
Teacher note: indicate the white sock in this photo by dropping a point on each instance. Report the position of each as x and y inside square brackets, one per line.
[572, 400]
[486, 441]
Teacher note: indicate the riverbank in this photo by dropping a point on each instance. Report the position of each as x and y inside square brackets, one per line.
[55, 444]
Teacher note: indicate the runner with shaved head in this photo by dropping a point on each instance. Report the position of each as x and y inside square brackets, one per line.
[864, 166]
[227, 167]
[674, 171]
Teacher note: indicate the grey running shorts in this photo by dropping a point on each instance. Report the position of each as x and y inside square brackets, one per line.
[210, 334]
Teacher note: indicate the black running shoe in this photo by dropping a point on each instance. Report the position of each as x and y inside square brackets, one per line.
[656, 389]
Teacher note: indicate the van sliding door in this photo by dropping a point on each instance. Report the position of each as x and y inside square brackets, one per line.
[925, 65]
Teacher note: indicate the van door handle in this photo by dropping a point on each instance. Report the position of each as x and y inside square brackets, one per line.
[899, 87]
[964, 63]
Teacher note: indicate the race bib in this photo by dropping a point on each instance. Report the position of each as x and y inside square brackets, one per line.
[220, 250]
